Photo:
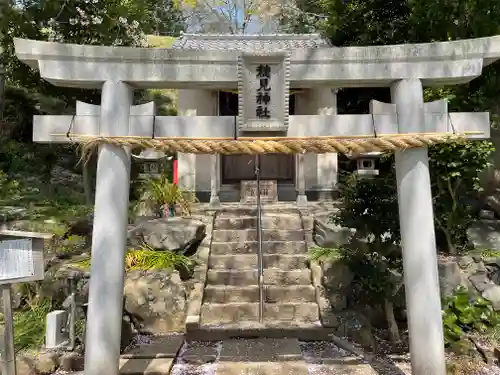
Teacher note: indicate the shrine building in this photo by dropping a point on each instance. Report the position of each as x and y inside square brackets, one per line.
[305, 98]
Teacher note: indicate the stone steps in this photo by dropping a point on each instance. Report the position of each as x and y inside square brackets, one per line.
[269, 221]
[236, 312]
[244, 235]
[231, 293]
[250, 277]
[272, 294]
[250, 261]
[250, 247]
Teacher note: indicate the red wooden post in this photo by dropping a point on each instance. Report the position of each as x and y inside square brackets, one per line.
[175, 172]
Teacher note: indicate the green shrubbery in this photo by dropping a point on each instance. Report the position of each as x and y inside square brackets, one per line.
[464, 314]
[369, 205]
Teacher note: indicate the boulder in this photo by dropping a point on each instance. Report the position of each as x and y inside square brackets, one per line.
[492, 294]
[485, 234]
[357, 327]
[157, 298]
[451, 276]
[328, 235]
[168, 233]
[493, 202]
[337, 279]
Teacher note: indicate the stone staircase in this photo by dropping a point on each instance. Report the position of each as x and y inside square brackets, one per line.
[231, 294]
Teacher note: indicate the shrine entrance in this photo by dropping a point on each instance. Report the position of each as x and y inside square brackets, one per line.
[237, 168]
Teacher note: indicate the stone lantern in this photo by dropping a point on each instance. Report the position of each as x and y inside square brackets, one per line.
[366, 164]
[151, 162]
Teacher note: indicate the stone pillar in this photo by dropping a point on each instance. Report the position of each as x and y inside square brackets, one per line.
[186, 102]
[324, 102]
[109, 240]
[301, 181]
[195, 171]
[214, 181]
[417, 235]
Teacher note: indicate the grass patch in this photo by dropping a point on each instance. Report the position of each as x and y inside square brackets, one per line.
[29, 326]
[324, 253]
[148, 259]
[485, 253]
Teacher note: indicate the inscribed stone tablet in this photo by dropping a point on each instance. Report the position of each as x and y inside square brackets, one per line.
[268, 191]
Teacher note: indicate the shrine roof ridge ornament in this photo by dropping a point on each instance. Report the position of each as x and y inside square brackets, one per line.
[72, 65]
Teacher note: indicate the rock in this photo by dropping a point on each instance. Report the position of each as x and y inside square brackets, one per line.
[47, 362]
[329, 235]
[465, 261]
[486, 214]
[55, 285]
[17, 293]
[127, 332]
[71, 361]
[10, 213]
[480, 281]
[492, 294]
[356, 327]
[493, 203]
[450, 277]
[485, 234]
[80, 227]
[169, 233]
[495, 276]
[44, 363]
[337, 279]
[157, 298]
[462, 347]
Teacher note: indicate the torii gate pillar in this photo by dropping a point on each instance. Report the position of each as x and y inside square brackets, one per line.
[416, 220]
[109, 239]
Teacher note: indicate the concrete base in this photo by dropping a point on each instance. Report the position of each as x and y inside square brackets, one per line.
[214, 201]
[302, 201]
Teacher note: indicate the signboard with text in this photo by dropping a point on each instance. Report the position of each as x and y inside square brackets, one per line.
[21, 256]
[264, 91]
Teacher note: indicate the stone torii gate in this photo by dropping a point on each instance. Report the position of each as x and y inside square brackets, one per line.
[117, 71]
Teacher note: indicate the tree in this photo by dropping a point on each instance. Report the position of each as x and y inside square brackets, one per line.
[370, 206]
[455, 171]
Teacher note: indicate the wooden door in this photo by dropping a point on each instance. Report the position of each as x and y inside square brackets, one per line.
[236, 168]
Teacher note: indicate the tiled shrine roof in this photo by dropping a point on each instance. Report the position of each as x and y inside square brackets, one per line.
[248, 43]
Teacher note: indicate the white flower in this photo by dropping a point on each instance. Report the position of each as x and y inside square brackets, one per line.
[73, 21]
[96, 20]
[122, 20]
[135, 23]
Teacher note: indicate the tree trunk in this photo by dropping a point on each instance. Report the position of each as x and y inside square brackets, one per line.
[391, 322]
[449, 243]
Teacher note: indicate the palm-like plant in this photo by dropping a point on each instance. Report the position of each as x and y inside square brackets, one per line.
[160, 195]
